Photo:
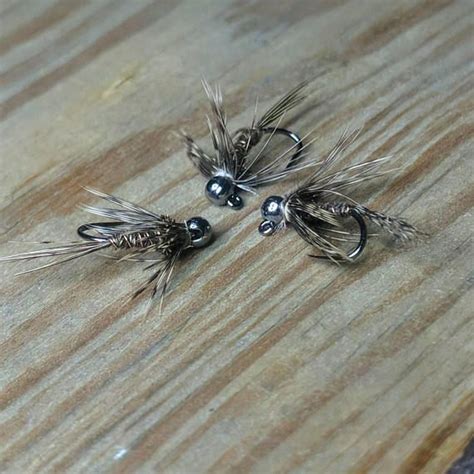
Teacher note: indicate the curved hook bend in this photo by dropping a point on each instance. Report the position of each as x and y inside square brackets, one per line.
[292, 136]
[102, 230]
[356, 252]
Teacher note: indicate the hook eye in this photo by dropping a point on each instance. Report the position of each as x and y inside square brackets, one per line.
[267, 228]
[235, 201]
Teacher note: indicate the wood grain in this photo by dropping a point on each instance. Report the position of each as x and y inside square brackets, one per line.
[263, 361]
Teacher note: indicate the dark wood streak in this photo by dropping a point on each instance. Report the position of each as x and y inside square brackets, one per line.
[62, 44]
[250, 16]
[390, 27]
[129, 27]
[50, 16]
[406, 423]
[354, 370]
[440, 150]
[132, 156]
[439, 435]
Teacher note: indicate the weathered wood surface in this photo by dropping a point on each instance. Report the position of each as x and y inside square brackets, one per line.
[264, 360]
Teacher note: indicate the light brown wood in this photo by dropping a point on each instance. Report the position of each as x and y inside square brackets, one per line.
[264, 360]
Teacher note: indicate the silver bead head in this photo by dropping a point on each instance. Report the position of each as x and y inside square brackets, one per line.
[273, 209]
[200, 231]
[273, 213]
[219, 189]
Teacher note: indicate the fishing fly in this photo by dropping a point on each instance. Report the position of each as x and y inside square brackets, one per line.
[317, 208]
[230, 169]
[139, 234]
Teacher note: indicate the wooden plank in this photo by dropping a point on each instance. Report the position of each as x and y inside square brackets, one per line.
[263, 360]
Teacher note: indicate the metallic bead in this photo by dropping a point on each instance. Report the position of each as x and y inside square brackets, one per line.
[235, 202]
[267, 228]
[219, 189]
[200, 231]
[272, 209]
